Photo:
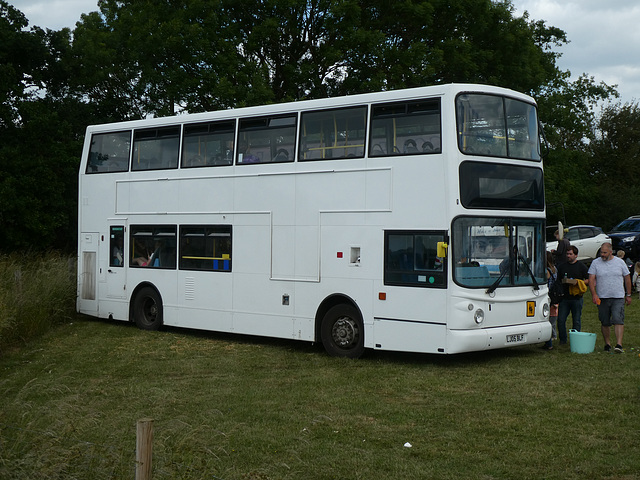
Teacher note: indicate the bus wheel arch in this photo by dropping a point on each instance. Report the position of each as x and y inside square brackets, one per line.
[340, 327]
[146, 309]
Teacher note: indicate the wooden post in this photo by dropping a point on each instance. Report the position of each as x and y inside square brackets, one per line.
[144, 444]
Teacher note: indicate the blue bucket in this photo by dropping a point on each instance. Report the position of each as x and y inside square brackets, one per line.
[582, 342]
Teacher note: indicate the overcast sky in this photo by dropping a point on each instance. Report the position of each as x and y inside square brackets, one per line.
[604, 34]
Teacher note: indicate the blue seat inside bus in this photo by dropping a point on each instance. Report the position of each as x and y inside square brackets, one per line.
[473, 276]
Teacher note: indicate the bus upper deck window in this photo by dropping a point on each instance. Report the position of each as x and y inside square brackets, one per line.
[497, 126]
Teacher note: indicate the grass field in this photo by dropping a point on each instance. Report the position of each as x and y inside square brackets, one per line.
[228, 407]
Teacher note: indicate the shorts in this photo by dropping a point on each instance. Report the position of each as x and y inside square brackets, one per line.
[611, 311]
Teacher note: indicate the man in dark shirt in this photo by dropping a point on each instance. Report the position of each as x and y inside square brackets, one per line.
[572, 269]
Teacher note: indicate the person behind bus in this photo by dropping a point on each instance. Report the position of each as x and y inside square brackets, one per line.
[572, 300]
[620, 254]
[560, 252]
[636, 278]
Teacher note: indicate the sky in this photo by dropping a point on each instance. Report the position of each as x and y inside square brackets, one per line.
[604, 35]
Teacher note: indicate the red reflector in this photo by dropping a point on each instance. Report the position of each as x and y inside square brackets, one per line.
[382, 296]
[339, 254]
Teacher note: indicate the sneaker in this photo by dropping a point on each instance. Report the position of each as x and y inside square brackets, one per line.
[607, 348]
[618, 349]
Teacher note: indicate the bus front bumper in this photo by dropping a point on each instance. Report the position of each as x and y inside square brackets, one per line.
[461, 341]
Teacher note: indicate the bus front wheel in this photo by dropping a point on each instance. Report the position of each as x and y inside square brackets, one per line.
[342, 332]
[147, 309]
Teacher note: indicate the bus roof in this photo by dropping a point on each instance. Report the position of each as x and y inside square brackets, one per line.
[331, 102]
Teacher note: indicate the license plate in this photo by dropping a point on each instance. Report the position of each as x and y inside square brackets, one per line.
[516, 338]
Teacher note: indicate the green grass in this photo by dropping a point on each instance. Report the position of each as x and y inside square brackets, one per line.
[36, 292]
[231, 407]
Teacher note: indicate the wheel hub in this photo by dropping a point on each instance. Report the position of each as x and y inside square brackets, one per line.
[345, 332]
[151, 310]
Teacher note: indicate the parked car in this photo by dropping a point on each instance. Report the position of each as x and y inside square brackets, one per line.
[626, 236]
[587, 238]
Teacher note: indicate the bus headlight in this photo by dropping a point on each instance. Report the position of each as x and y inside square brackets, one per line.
[545, 310]
[479, 316]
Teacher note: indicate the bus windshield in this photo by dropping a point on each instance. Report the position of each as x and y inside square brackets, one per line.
[488, 249]
[497, 126]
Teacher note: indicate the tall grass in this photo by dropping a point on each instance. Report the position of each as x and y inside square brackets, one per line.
[36, 292]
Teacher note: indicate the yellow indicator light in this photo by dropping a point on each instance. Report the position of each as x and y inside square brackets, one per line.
[531, 308]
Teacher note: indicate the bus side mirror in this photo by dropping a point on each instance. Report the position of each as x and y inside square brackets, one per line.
[442, 250]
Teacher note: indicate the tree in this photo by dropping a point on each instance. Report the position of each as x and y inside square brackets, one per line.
[412, 43]
[40, 137]
[38, 177]
[156, 58]
[195, 55]
[615, 164]
[21, 54]
[133, 59]
[567, 112]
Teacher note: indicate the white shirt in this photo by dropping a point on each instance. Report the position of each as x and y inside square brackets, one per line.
[609, 277]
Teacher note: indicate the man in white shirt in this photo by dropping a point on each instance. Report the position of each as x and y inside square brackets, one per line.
[610, 285]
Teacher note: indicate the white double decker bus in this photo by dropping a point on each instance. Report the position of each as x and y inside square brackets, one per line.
[409, 220]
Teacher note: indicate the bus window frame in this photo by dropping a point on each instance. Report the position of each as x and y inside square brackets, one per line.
[487, 141]
[215, 129]
[337, 132]
[121, 165]
[165, 133]
[222, 263]
[263, 124]
[409, 145]
[422, 278]
[151, 234]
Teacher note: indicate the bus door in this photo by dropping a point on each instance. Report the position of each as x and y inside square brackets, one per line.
[87, 273]
[114, 265]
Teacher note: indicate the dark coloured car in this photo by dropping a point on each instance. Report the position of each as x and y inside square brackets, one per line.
[626, 236]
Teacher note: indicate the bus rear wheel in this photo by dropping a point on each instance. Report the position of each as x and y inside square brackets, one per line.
[147, 309]
[342, 332]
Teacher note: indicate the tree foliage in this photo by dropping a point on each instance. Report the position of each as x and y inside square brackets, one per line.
[199, 55]
[133, 59]
[568, 113]
[615, 163]
[21, 57]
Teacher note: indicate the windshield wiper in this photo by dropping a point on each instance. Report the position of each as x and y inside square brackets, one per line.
[519, 256]
[533, 277]
[493, 287]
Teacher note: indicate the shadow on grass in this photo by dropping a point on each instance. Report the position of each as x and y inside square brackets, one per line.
[370, 355]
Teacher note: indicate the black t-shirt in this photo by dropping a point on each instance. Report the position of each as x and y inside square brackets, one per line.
[576, 270]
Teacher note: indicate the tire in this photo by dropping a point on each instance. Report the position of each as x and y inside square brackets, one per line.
[147, 309]
[342, 332]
